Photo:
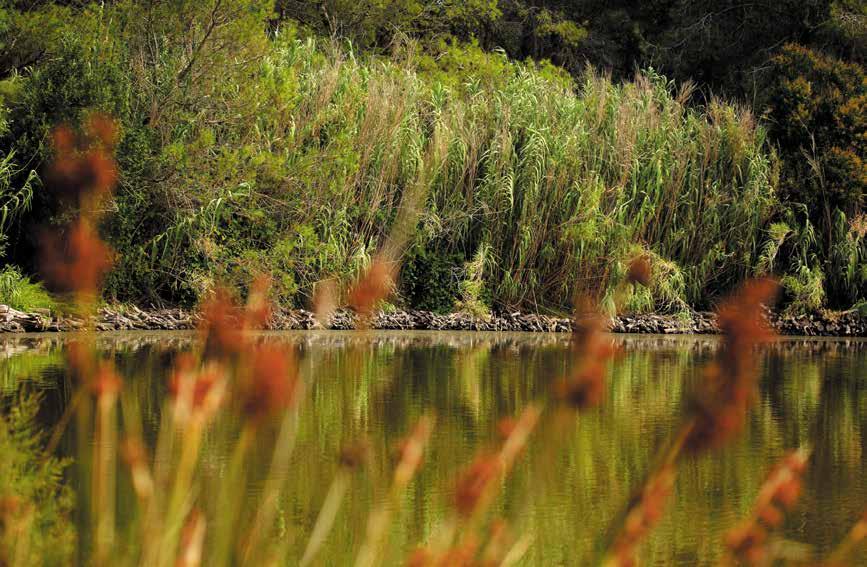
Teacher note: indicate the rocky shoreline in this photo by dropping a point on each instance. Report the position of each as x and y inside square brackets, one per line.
[124, 318]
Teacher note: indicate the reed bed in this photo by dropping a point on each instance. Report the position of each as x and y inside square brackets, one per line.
[528, 184]
[243, 394]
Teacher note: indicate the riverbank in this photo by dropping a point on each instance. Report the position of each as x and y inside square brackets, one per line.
[124, 318]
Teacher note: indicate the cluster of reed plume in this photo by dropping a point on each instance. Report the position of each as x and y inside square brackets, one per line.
[235, 370]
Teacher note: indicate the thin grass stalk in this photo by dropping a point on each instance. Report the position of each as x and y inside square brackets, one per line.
[513, 446]
[380, 518]
[154, 510]
[193, 541]
[748, 543]
[62, 423]
[104, 478]
[327, 514]
[518, 550]
[17, 524]
[180, 501]
[278, 473]
[228, 499]
[849, 546]
[718, 414]
[477, 486]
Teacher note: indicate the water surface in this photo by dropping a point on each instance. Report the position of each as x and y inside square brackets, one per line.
[376, 385]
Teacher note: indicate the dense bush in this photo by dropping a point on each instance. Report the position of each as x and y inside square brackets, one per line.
[817, 111]
[430, 280]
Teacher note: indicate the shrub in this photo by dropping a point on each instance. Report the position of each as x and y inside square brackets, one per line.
[430, 281]
[18, 292]
[817, 108]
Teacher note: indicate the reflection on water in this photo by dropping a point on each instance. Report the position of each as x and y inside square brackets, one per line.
[377, 384]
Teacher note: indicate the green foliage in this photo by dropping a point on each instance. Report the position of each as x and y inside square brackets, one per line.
[376, 23]
[38, 524]
[430, 280]
[665, 291]
[14, 200]
[475, 296]
[777, 234]
[18, 292]
[818, 114]
[806, 289]
[818, 107]
[248, 146]
[298, 170]
[29, 34]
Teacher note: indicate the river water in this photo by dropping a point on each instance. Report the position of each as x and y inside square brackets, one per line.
[376, 385]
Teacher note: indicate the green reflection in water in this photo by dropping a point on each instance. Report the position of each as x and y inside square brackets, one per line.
[378, 384]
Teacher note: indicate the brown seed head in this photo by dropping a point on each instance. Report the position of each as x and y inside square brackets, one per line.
[221, 324]
[105, 383]
[770, 516]
[136, 458]
[475, 482]
[81, 359]
[84, 168]
[591, 350]
[272, 384]
[77, 264]
[639, 271]
[720, 408]
[258, 310]
[643, 514]
[462, 555]
[354, 455]
[376, 284]
[10, 506]
[747, 543]
[325, 301]
[421, 557]
[133, 452]
[410, 452]
[193, 389]
[192, 540]
[505, 427]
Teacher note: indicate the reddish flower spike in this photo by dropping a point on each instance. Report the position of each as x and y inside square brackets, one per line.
[272, 383]
[81, 266]
[375, 286]
[639, 271]
[221, 325]
[474, 482]
[105, 382]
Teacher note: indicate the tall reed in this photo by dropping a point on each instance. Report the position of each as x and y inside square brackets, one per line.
[559, 183]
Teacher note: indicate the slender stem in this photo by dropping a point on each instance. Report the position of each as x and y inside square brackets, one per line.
[63, 422]
[277, 475]
[380, 518]
[327, 515]
[105, 468]
[847, 547]
[179, 501]
[229, 499]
